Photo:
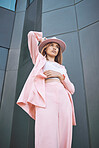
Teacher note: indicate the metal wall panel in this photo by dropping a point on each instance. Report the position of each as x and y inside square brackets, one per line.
[23, 125]
[48, 5]
[3, 62]
[89, 39]
[59, 21]
[87, 12]
[6, 26]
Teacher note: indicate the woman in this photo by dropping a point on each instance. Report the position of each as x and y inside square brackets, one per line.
[46, 95]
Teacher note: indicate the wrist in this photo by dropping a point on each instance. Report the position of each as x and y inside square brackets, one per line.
[61, 77]
[40, 39]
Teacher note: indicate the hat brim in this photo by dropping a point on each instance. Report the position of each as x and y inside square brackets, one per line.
[60, 42]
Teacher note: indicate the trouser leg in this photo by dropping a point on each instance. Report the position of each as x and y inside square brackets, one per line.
[46, 126]
[65, 124]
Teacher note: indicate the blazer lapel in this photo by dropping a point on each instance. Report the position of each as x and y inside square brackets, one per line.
[39, 77]
[41, 60]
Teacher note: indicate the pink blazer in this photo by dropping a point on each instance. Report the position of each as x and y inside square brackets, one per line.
[33, 92]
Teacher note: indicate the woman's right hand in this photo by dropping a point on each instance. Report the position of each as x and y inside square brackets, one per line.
[42, 39]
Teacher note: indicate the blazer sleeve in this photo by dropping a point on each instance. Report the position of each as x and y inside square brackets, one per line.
[33, 39]
[68, 84]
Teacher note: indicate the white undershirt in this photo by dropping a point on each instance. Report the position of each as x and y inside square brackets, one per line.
[49, 65]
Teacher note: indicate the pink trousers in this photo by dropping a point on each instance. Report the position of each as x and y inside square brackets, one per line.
[53, 124]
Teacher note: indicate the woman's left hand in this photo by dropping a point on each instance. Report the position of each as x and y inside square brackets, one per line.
[52, 73]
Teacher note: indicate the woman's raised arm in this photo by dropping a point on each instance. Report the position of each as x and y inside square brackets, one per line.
[33, 38]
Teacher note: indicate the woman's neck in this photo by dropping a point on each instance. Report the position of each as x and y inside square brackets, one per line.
[51, 59]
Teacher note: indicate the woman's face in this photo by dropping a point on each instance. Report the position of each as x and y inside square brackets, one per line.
[52, 50]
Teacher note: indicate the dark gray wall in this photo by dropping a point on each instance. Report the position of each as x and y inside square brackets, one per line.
[16, 127]
[11, 37]
[6, 29]
[23, 125]
[77, 23]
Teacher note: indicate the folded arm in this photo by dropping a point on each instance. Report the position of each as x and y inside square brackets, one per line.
[68, 84]
[33, 38]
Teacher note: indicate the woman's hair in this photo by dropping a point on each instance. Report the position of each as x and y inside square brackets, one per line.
[59, 56]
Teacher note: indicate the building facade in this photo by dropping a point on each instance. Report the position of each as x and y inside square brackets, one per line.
[77, 23]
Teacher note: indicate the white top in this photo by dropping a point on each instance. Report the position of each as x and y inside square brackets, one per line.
[49, 65]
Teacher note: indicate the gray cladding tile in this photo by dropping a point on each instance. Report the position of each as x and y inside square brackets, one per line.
[9, 92]
[6, 26]
[13, 59]
[89, 40]
[31, 17]
[21, 5]
[48, 5]
[3, 57]
[17, 31]
[87, 12]
[7, 105]
[59, 21]
[24, 57]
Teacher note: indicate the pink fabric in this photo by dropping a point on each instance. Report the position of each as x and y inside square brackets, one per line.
[53, 125]
[33, 92]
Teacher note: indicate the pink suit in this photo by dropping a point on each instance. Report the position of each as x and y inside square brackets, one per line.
[35, 93]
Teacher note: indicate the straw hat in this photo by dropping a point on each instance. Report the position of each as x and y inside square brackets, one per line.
[53, 39]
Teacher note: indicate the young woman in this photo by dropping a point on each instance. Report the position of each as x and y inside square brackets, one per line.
[54, 116]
